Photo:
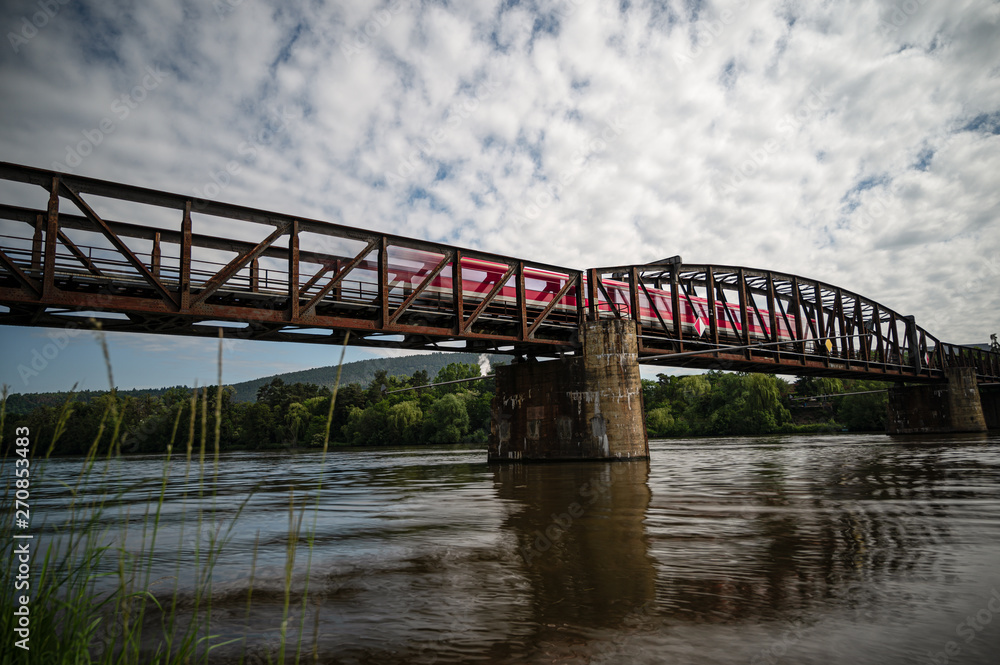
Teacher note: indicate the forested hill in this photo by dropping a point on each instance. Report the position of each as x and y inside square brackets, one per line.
[21, 403]
[362, 371]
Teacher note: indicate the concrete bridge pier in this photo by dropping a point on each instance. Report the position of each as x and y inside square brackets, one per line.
[951, 407]
[585, 407]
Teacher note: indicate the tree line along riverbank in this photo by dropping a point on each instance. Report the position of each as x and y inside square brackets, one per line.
[295, 415]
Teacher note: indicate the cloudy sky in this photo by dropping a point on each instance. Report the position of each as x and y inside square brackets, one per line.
[853, 142]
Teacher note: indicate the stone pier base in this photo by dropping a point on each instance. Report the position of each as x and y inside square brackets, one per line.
[586, 407]
[951, 407]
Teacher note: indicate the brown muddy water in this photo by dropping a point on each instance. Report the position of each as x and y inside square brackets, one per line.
[791, 549]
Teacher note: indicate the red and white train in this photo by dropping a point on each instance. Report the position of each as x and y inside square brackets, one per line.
[541, 286]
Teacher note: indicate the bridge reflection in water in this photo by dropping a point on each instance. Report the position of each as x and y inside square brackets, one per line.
[735, 553]
[580, 534]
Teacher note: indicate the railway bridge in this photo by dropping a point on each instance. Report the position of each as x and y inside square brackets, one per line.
[84, 252]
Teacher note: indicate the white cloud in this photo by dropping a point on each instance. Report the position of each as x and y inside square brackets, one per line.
[884, 182]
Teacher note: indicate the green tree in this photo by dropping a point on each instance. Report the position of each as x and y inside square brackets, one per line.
[296, 417]
[739, 404]
[867, 412]
[419, 378]
[446, 421]
[660, 422]
[807, 386]
[480, 409]
[368, 426]
[403, 422]
[693, 388]
[455, 372]
[259, 426]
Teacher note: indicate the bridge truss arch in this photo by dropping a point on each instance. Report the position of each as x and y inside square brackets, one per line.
[748, 319]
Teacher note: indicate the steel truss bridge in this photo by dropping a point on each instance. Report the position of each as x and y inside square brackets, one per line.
[83, 252]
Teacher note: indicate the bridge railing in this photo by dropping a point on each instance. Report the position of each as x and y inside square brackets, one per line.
[177, 264]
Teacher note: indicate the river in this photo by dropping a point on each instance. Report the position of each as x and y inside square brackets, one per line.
[790, 549]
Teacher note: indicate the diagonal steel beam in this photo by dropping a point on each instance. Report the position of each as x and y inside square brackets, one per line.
[336, 279]
[31, 284]
[687, 297]
[237, 264]
[760, 317]
[607, 296]
[81, 257]
[652, 306]
[323, 269]
[489, 297]
[784, 315]
[729, 314]
[548, 308]
[423, 285]
[119, 244]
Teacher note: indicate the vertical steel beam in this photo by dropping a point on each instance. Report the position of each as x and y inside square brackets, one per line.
[713, 319]
[892, 340]
[864, 341]
[633, 292]
[293, 271]
[184, 287]
[879, 345]
[633, 295]
[842, 321]
[383, 281]
[820, 327]
[36, 243]
[772, 314]
[744, 315]
[51, 234]
[155, 258]
[675, 305]
[922, 349]
[798, 314]
[913, 343]
[592, 292]
[457, 293]
[255, 276]
[522, 305]
[581, 310]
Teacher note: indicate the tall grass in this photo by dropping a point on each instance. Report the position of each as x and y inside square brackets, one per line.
[93, 600]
